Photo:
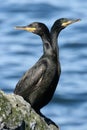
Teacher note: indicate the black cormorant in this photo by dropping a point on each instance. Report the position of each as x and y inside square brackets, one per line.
[38, 84]
[59, 25]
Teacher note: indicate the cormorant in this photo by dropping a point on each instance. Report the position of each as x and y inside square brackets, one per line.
[57, 27]
[38, 84]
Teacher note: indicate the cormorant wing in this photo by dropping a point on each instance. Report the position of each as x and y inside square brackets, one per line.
[31, 78]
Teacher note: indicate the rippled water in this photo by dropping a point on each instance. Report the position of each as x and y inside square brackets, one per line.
[19, 50]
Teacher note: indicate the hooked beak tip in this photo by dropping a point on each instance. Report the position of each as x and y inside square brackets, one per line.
[77, 20]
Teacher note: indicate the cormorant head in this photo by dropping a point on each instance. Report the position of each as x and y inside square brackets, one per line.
[36, 27]
[62, 23]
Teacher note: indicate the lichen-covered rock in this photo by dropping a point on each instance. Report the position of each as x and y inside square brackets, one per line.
[17, 114]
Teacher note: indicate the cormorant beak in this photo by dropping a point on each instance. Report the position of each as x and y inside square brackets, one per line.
[68, 22]
[26, 28]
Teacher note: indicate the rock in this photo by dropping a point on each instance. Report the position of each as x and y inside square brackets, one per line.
[17, 114]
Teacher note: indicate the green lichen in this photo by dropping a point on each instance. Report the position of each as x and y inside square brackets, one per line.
[5, 107]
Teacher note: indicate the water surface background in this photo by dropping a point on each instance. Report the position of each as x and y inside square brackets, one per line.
[19, 50]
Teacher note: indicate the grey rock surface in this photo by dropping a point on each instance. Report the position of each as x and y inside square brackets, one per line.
[17, 114]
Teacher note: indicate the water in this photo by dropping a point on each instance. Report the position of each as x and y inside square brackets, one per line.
[19, 50]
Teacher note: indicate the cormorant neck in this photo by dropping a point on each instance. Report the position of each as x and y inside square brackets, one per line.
[54, 35]
[47, 48]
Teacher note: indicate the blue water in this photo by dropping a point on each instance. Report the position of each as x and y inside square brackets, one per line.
[19, 50]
